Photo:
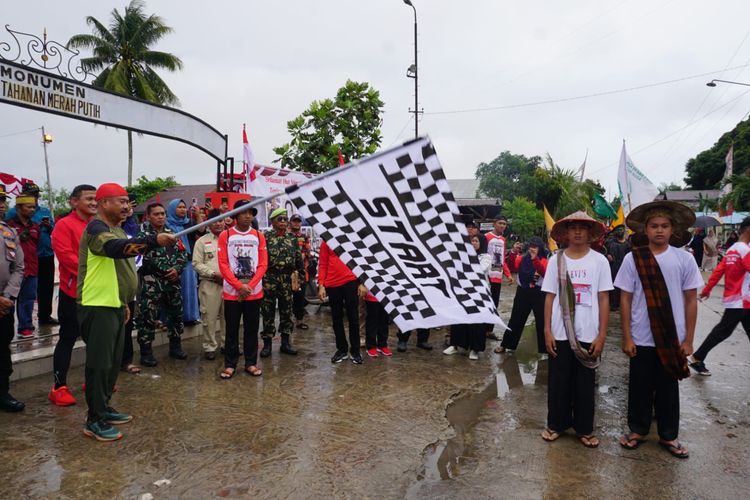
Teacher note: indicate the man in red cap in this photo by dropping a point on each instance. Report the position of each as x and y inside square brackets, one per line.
[105, 258]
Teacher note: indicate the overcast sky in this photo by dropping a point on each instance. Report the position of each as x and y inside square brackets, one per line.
[262, 63]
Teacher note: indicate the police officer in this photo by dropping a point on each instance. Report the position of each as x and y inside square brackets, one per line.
[284, 257]
[11, 275]
[160, 289]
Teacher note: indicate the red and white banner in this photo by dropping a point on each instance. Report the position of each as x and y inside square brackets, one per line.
[13, 184]
[270, 181]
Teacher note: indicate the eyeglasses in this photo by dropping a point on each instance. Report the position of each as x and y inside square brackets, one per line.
[280, 219]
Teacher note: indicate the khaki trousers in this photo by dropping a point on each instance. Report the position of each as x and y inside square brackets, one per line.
[212, 315]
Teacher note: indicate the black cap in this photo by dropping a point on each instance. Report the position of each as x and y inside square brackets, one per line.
[296, 217]
[745, 223]
[471, 223]
[242, 203]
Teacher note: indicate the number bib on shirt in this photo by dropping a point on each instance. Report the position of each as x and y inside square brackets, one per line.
[583, 294]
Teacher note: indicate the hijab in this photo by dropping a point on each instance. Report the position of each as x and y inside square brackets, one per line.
[526, 270]
[177, 224]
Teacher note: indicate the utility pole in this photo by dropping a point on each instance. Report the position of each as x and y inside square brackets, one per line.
[46, 139]
[413, 72]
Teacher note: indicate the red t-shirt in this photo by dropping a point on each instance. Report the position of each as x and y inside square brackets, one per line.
[66, 240]
[243, 259]
[332, 272]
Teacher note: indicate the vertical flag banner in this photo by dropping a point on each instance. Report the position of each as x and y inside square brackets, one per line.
[727, 188]
[620, 218]
[548, 223]
[635, 188]
[393, 220]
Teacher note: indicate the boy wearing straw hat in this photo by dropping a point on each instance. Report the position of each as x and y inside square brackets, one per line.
[576, 312]
[659, 306]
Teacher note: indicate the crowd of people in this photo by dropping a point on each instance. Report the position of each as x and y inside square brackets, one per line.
[118, 274]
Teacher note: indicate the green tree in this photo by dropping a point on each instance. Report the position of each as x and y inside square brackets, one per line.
[706, 170]
[739, 196]
[669, 186]
[349, 123]
[60, 199]
[144, 188]
[562, 192]
[123, 54]
[509, 175]
[524, 218]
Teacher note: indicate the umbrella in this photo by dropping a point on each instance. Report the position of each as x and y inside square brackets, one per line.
[705, 221]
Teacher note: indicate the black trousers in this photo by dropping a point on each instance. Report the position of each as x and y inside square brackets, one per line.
[570, 395]
[469, 336]
[423, 335]
[127, 349]
[299, 302]
[249, 312]
[7, 332]
[344, 298]
[651, 388]
[376, 325]
[44, 287]
[526, 301]
[495, 292]
[723, 330]
[68, 334]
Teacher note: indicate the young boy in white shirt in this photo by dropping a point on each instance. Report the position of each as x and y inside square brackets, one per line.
[576, 313]
[659, 306]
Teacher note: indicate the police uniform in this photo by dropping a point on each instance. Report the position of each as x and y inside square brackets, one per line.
[206, 264]
[11, 275]
[284, 257]
[157, 295]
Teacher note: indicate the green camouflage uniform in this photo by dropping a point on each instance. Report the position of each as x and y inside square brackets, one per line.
[284, 257]
[157, 294]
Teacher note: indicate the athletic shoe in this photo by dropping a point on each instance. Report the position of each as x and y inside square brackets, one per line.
[385, 351]
[451, 350]
[116, 418]
[26, 334]
[101, 431]
[339, 356]
[373, 353]
[700, 367]
[473, 355]
[356, 358]
[61, 396]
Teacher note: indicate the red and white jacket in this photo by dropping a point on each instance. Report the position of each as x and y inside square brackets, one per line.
[242, 260]
[496, 250]
[66, 238]
[332, 271]
[735, 267]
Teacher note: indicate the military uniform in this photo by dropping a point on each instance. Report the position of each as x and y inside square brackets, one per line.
[284, 257]
[157, 294]
[11, 275]
[299, 302]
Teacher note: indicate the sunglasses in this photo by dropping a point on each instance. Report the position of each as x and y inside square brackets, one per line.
[280, 219]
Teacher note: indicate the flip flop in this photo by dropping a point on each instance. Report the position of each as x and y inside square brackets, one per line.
[132, 369]
[227, 373]
[303, 326]
[550, 435]
[589, 440]
[500, 350]
[626, 439]
[675, 449]
[254, 371]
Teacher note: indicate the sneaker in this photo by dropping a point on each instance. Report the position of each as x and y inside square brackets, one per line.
[385, 351]
[451, 350]
[700, 367]
[356, 358]
[26, 334]
[373, 353]
[116, 418]
[473, 355]
[339, 356]
[101, 431]
[61, 396]
[401, 346]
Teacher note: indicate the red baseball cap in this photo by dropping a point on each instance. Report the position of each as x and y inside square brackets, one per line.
[110, 190]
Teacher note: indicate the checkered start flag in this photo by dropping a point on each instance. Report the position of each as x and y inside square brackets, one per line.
[393, 221]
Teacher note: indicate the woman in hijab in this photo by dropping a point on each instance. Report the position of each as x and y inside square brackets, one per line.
[710, 251]
[529, 297]
[177, 220]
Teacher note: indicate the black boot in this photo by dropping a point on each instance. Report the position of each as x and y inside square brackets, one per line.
[147, 356]
[286, 346]
[266, 351]
[175, 348]
[10, 404]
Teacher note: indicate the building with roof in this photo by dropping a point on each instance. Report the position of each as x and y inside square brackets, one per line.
[691, 198]
[470, 204]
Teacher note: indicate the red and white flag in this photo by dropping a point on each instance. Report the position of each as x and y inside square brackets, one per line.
[341, 159]
[14, 185]
[727, 188]
[253, 186]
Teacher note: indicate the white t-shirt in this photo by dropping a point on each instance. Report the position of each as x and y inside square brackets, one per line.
[680, 273]
[590, 275]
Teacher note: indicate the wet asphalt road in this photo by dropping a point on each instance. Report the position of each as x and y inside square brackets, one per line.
[417, 425]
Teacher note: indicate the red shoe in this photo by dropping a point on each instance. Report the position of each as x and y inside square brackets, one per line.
[373, 353]
[385, 351]
[26, 334]
[61, 396]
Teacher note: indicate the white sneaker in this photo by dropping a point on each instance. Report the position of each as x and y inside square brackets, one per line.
[450, 350]
[473, 355]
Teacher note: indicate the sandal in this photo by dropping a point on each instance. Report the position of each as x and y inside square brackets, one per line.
[589, 440]
[549, 435]
[500, 350]
[302, 326]
[254, 371]
[227, 373]
[675, 449]
[627, 439]
[132, 369]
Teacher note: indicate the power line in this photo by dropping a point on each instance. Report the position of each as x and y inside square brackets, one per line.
[21, 132]
[585, 96]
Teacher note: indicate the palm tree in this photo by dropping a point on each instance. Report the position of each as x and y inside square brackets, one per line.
[122, 53]
[567, 192]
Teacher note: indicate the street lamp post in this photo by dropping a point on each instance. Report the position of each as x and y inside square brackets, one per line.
[712, 83]
[413, 72]
[46, 139]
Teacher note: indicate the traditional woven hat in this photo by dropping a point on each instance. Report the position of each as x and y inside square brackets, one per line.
[560, 228]
[681, 215]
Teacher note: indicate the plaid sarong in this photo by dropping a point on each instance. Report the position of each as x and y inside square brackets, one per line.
[660, 315]
[568, 309]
